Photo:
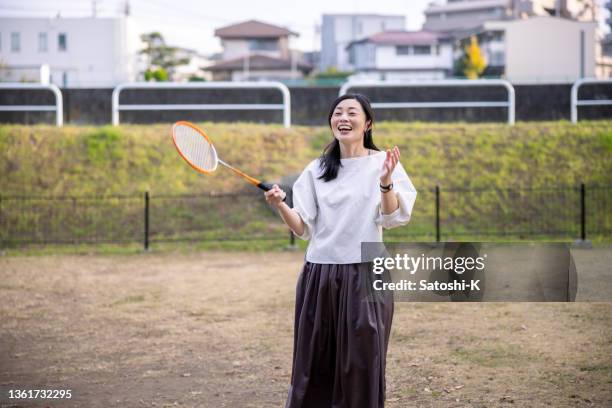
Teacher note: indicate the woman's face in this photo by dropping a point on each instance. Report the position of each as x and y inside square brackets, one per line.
[348, 121]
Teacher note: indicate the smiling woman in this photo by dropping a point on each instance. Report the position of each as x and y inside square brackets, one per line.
[342, 199]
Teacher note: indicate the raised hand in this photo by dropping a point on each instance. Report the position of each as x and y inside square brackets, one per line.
[389, 165]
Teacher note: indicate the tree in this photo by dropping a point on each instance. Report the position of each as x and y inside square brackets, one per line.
[161, 58]
[158, 75]
[472, 63]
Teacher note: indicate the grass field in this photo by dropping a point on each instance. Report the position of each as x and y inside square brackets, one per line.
[214, 329]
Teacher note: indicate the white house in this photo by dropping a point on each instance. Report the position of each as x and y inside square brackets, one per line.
[402, 55]
[80, 52]
[339, 30]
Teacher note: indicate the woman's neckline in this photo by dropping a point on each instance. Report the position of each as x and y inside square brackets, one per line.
[371, 153]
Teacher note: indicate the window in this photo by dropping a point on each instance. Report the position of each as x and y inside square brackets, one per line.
[497, 36]
[263, 44]
[351, 55]
[422, 50]
[402, 50]
[42, 42]
[62, 43]
[15, 42]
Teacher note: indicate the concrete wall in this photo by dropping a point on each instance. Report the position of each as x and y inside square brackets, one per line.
[547, 48]
[309, 105]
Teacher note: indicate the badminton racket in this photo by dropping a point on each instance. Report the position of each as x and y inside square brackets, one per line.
[196, 148]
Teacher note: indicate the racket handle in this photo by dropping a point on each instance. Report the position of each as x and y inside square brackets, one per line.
[265, 186]
[268, 187]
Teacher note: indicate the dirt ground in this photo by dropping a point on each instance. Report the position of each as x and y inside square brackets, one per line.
[214, 329]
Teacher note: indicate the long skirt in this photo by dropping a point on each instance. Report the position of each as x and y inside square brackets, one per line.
[340, 338]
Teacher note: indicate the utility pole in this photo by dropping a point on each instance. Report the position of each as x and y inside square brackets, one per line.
[245, 67]
[293, 63]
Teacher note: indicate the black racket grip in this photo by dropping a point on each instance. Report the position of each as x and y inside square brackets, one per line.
[268, 187]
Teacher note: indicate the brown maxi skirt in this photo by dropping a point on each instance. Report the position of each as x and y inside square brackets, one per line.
[340, 338]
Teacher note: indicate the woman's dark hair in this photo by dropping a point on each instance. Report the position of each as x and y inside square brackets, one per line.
[330, 159]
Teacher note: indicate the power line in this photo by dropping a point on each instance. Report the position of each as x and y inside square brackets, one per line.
[188, 13]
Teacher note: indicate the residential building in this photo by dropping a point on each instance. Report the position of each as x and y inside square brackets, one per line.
[339, 30]
[604, 61]
[402, 55]
[460, 15]
[80, 52]
[542, 49]
[456, 15]
[254, 50]
[496, 24]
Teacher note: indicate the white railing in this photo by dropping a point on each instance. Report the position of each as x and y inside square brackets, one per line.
[58, 107]
[285, 106]
[586, 102]
[509, 103]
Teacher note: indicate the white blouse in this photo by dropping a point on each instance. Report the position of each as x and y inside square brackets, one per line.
[342, 213]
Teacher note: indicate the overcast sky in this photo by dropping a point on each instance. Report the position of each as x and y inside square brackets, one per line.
[191, 23]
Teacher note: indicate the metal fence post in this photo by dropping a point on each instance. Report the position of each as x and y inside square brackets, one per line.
[582, 212]
[285, 106]
[437, 213]
[575, 103]
[58, 107]
[146, 221]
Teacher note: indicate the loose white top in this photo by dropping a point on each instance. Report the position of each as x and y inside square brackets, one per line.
[342, 213]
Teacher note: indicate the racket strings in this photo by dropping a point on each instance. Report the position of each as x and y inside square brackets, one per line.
[195, 148]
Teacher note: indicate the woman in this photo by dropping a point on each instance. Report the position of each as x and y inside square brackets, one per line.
[342, 199]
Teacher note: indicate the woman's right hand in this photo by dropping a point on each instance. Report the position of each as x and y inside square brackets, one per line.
[275, 196]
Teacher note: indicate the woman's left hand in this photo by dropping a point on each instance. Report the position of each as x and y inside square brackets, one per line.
[389, 165]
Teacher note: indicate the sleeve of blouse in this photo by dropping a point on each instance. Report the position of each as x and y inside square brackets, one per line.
[304, 201]
[406, 196]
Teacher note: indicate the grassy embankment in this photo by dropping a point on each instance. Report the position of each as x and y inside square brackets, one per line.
[131, 159]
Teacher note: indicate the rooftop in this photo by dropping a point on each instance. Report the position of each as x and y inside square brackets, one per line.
[400, 37]
[466, 6]
[253, 29]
